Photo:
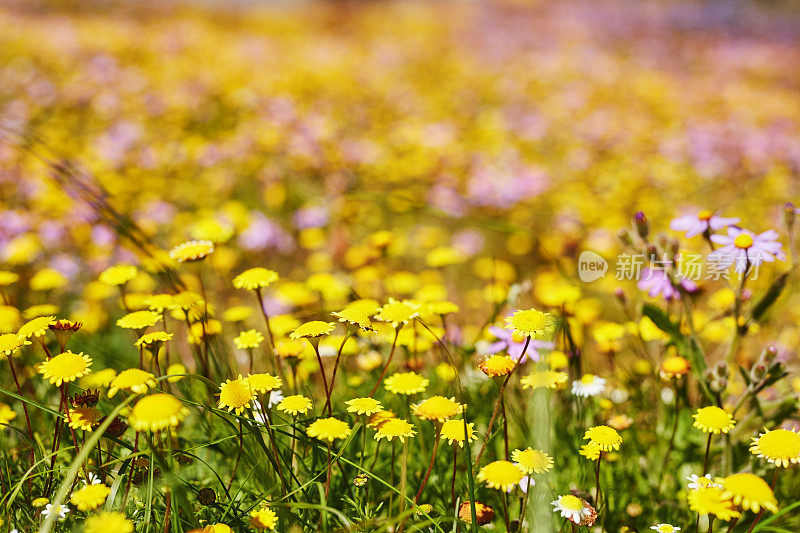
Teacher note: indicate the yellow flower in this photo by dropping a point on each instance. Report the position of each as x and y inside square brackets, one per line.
[36, 327]
[264, 518]
[530, 461]
[40, 502]
[248, 339]
[235, 394]
[549, 379]
[263, 382]
[159, 302]
[255, 278]
[453, 431]
[101, 378]
[106, 521]
[133, 379]
[65, 367]
[238, 313]
[84, 418]
[315, 328]
[497, 365]
[398, 313]
[712, 500]
[11, 342]
[118, 274]
[395, 428]
[530, 323]
[7, 278]
[354, 316]
[157, 412]
[407, 383]
[47, 279]
[176, 372]
[139, 320]
[606, 438]
[620, 422]
[778, 446]
[217, 528]
[155, 337]
[437, 408]
[7, 414]
[501, 475]
[591, 451]
[363, 406]
[295, 404]
[749, 491]
[39, 311]
[375, 420]
[191, 251]
[328, 429]
[674, 366]
[714, 420]
[90, 497]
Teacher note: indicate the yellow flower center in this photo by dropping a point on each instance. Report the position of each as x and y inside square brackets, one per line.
[743, 241]
[780, 443]
[571, 503]
[705, 214]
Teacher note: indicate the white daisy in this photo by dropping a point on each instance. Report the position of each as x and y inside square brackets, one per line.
[572, 508]
[59, 511]
[93, 479]
[665, 528]
[698, 482]
[275, 397]
[588, 385]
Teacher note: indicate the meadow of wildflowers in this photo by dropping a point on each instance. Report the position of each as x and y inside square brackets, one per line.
[399, 267]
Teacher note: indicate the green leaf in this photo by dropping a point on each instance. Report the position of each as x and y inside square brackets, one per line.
[769, 297]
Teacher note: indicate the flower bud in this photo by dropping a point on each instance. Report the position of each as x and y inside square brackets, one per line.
[641, 224]
[789, 211]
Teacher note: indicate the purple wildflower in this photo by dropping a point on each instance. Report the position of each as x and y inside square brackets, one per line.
[700, 223]
[746, 249]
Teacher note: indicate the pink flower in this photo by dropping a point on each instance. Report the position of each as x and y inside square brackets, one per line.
[700, 223]
[746, 249]
[656, 282]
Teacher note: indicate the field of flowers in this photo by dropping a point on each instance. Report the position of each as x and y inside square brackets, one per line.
[399, 267]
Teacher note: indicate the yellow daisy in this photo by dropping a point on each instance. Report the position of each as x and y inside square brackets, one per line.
[151, 339]
[255, 278]
[453, 431]
[549, 379]
[328, 429]
[376, 419]
[133, 379]
[118, 274]
[191, 251]
[398, 313]
[157, 412]
[749, 491]
[354, 316]
[530, 461]
[591, 451]
[605, 437]
[90, 497]
[106, 521]
[11, 342]
[437, 408]
[497, 365]
[315, 328]
[530, 323]
[263, 382]
[295, 404]
[65, 367]
[778, 446]
[248, 339]
[7, 414]
[712, 500]
[363, 406]
[395, 428]
[235, 394]
[264, 518]
[714, 420]
[36, 327]
[501, 475]
[406, 383]
[139, 319]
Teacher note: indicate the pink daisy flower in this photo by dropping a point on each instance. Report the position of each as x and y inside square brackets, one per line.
[656, 282]
[700, 223]
[746, 249]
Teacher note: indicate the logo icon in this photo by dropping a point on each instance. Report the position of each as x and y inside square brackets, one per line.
[591, 266]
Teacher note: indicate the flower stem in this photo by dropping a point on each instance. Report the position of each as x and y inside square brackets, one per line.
[386, 366]
[430, 465]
